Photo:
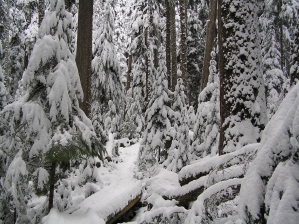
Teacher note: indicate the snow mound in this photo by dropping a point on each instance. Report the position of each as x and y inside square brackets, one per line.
[55, 217]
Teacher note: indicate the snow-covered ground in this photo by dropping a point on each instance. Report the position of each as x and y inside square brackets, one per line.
[119, 187]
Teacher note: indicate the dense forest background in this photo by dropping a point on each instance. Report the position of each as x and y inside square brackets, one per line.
[209, 88]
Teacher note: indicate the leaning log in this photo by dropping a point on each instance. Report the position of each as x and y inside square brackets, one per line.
[114, 217]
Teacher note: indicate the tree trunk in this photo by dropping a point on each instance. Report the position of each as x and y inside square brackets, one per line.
[41, 11]
[173, 45]
[147, 73]
[129, 71]
[168, 43]
[211, 34]
[52, 184]
[221, 74]
[183, 56]
[84, 51]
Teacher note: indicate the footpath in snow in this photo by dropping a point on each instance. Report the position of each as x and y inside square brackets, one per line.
[119, 188]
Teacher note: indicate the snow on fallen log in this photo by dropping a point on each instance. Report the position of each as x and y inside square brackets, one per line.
[228, 190]
[204, 166]
[163, 215]
[109, 203]
[55, 217]
[189, 192]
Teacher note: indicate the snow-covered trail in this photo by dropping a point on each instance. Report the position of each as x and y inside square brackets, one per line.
[120, 186]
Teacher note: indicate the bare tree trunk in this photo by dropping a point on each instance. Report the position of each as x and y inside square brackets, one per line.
[52, 184]
[84, 51]
[129, 72]
[173, 45]
[41, 11]
[211, 34]
[221, 79]
[183, 56]
[168, 47]
[147, 73]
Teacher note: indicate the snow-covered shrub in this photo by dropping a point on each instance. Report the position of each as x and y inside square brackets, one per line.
[128, 130]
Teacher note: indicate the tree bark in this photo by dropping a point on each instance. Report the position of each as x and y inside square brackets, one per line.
[52, 184]
[168, 44]
[211, 34]
[130, 58]
[41, 11]
[183, 52]
[221, 74]
[147, 73]
[84, 51]
[173, 45]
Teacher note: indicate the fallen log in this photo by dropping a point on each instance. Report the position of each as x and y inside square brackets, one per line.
[112, 218]
[189, 192]
[205, 166]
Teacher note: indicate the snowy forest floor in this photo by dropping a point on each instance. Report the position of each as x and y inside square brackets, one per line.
[117, 188]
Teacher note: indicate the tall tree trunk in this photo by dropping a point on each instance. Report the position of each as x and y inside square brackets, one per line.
[221, 78]
[173, 45]
[84, 51]
[242, 89]
[183, 56]
[147, 72]
[168, 44]
[130, 58]
[211, 34]
[52, 184]
[41, 11]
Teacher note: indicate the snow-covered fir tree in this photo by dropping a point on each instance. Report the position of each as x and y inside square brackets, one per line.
[269, 190]
[178, 153]
[196, 25]
[152, 150]
[138, 92]
[49, 125]
[2, 85]
[112, 122]
[206, 129]
[106, 84]
[276, 82]
[294, 69]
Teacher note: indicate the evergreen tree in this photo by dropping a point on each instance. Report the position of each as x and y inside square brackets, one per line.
[106, 84]
[294, 67]
[2, 85]
[138, 92]
[242, 93]
[178, 153]
[46, 127]
[276, 84]
[152, 150]
[269, 190]
[197, 17]
[206, 129]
